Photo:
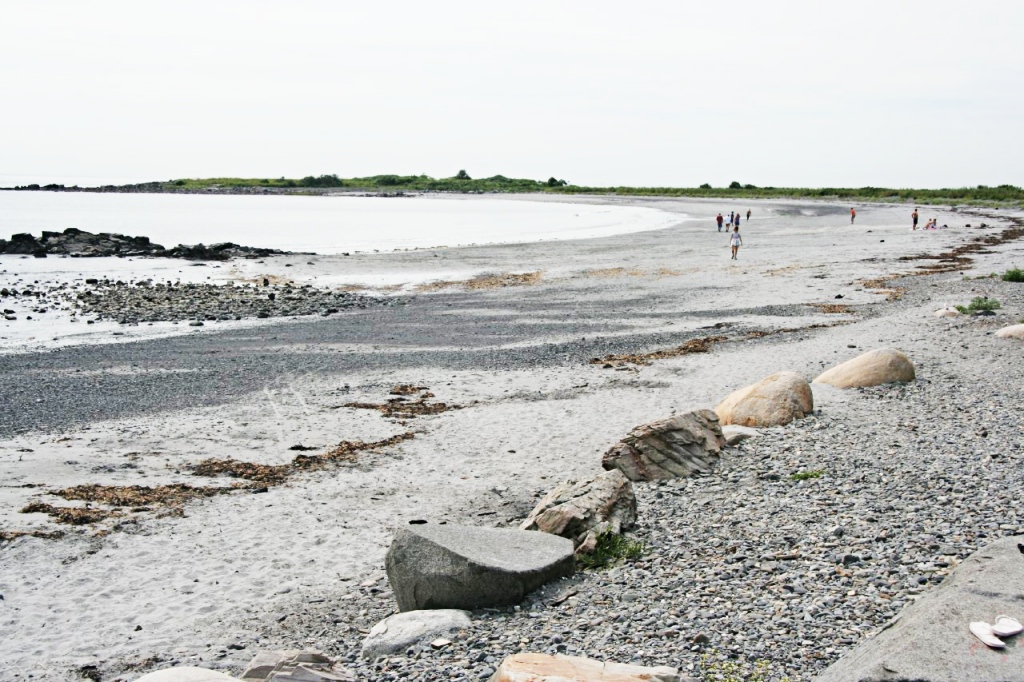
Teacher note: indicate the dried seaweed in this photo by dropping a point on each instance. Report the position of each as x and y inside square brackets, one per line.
[832, 308]
[74, 516]
[701, 345]
[11, 535]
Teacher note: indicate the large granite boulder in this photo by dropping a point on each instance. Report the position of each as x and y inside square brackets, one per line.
[527, 667]
[876, 367]
[25, 244]
[583, 510]
[185, 674]
[946, 311]
[776, 400]
[929, 641]
[678, 447]
[1015, 331]
[468, 567]
[397, 633]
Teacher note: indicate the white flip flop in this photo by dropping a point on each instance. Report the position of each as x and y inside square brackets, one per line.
[983, 631]
[1006, 626]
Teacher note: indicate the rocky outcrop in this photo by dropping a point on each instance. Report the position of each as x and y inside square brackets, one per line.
[583, 510]
[527, 667]
[468, 567]
[1015, 331]
[81, 244]
[930, 640]
[874, 368]
[678, 447]
[776, 400]
[397, 633]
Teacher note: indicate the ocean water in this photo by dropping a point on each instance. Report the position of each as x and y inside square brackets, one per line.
[321, 224]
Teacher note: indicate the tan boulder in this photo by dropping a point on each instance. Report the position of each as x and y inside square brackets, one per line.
[775, 400]
[1012, 332]
[678, 447]
[876, 367]
[947, 312]
[185, 674]
[527, 667]
[582, 510]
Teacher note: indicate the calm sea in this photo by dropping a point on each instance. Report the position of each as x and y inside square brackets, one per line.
[321, 224]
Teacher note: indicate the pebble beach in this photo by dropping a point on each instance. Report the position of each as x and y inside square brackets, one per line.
[523, 363]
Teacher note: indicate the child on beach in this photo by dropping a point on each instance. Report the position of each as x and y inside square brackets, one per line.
[735, 241]
[853, 215]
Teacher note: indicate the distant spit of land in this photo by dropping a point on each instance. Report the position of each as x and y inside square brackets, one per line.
[402, 185]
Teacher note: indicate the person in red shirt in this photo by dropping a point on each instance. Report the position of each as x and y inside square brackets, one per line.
[853, 215]
[719, 220]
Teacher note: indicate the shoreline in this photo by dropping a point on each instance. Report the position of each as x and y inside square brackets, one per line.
[515, 361]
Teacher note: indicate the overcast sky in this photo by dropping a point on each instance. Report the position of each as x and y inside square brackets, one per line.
[896, 93]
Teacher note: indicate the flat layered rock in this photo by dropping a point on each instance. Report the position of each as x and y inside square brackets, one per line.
[735, 434]
[874, 368]
[468, 567]
[396, 633]
[679, 447]
[930, 640]
[527, 667]
[185, 674]
[776, 400]
[582, 510]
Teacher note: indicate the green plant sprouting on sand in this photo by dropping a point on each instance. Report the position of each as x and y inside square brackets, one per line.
[610, 548]
[806, 475]
[979, 304]
[1013, 275]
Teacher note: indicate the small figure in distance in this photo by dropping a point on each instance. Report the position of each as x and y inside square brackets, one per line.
[719, 220]
[853, 215]
[913, 216]
[732, 217]
[748, 215]
[735, 241]
[737, 221]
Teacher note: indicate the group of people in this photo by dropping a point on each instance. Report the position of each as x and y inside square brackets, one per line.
[932, 224]
[735, 241]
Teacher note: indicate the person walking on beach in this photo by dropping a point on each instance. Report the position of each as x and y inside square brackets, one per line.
[913, 216]
[853, 215]
[736, 219]
[719, 220]
[731, 217]
[748, 215]
[735, 241]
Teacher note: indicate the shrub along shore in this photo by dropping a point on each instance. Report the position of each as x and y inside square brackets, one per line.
[1002, 195]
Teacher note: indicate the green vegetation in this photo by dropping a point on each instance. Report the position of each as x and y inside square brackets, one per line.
[804, 475]
[462, 182]
[1013, 275]
[979, 304]
[611, 547]
[734, 671]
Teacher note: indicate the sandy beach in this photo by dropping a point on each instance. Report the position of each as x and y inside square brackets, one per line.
[502, 338]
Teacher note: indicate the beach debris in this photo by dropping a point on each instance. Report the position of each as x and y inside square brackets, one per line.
[12, 535]
[776, 400]
[1015, 331]
[584, 510]
[73, 516]
[832, 308]
[295, 666]
[681, 446]
[401, 407]
[275, 474]
[873, 368]
[486, 281]
[532, 667]
[397, 633]
[470, 567]
[701, 345]
[734, 433]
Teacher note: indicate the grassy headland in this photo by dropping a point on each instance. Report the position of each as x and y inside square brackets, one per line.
[1002, 195]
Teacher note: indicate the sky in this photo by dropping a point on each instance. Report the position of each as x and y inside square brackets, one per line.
[902, 93]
